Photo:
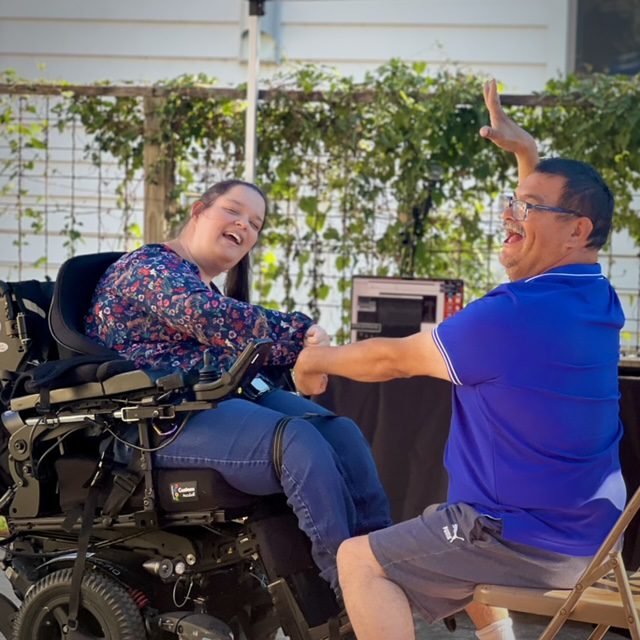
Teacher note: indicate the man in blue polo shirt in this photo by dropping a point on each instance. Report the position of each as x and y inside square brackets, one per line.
[532, 456]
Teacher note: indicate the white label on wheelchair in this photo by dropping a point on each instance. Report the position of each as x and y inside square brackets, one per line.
[184, 491]
[3, 347]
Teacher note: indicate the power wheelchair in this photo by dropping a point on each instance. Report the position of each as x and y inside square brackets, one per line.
[96, 549]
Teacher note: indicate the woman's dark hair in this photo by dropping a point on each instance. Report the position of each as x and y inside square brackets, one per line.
[586, 192]
[236, 284]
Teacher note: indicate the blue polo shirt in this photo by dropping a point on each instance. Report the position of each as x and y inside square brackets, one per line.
[535, 427]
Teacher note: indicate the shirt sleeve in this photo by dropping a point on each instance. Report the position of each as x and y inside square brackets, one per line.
[479, 342]
[179, 299]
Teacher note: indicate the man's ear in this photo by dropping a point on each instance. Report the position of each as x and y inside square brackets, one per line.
[582, 228]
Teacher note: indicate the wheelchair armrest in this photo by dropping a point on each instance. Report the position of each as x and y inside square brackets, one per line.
[119, 384]
[245, 368]
[132, 381]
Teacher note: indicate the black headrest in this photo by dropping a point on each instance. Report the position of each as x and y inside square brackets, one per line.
[75, 284]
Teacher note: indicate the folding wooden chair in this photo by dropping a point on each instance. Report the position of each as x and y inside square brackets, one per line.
[604, 595]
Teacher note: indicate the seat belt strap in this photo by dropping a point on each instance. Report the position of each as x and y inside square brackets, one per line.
[278, 444]
[75, 595]
[124, 485]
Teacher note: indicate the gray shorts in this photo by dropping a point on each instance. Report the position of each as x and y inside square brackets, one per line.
[439, 557]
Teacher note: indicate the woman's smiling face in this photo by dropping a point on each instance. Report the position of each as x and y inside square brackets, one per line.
[228, 228]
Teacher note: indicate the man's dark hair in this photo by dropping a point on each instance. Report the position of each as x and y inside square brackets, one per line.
[585, 192]
[236, 284]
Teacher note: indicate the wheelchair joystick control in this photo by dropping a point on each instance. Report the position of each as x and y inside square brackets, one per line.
[214, 385]
[208, 372]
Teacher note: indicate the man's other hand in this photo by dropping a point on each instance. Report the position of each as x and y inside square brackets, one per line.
[308, 383]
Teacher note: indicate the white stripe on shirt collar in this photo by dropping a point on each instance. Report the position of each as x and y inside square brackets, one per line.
[572, 275]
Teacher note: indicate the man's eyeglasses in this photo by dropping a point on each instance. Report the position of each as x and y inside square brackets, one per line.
[520, 208]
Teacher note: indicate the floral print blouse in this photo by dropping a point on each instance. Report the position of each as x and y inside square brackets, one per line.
[152, 307]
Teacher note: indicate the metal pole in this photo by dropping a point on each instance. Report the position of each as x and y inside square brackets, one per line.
[256, 9]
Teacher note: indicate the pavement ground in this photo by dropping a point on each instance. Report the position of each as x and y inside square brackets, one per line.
[526, 627]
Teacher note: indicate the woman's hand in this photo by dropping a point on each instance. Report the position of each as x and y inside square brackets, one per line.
[316, 336]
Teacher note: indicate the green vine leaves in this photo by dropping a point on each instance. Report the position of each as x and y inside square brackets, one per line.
[387, 176]
[597, 120]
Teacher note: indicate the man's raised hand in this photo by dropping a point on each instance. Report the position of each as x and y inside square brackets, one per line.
[506, 134]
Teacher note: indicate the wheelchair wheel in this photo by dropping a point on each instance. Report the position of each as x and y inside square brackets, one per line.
[8, 612]
[107, 612]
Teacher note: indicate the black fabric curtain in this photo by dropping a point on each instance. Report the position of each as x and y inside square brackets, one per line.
[407, 424]
[630, 460]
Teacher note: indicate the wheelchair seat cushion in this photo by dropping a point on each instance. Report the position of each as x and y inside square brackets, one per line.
[177, 490]
[196, 490]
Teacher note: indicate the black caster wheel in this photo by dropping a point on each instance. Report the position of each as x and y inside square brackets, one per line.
[107, 612]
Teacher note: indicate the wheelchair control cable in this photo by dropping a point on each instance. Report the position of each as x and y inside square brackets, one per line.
[57, 443]
[136, 447]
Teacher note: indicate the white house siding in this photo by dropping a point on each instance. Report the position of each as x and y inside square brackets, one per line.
[522, 43]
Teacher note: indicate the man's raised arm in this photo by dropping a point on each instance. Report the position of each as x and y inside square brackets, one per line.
[507, 135]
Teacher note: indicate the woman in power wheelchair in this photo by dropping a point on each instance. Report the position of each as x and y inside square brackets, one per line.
[182, 545]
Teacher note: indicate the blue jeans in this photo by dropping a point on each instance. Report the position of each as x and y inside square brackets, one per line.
[328, 473]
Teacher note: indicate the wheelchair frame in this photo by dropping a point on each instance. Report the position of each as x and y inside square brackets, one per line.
[253, 546]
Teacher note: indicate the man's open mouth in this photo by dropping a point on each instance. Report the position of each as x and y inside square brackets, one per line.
[513, 234]
[513, 237]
